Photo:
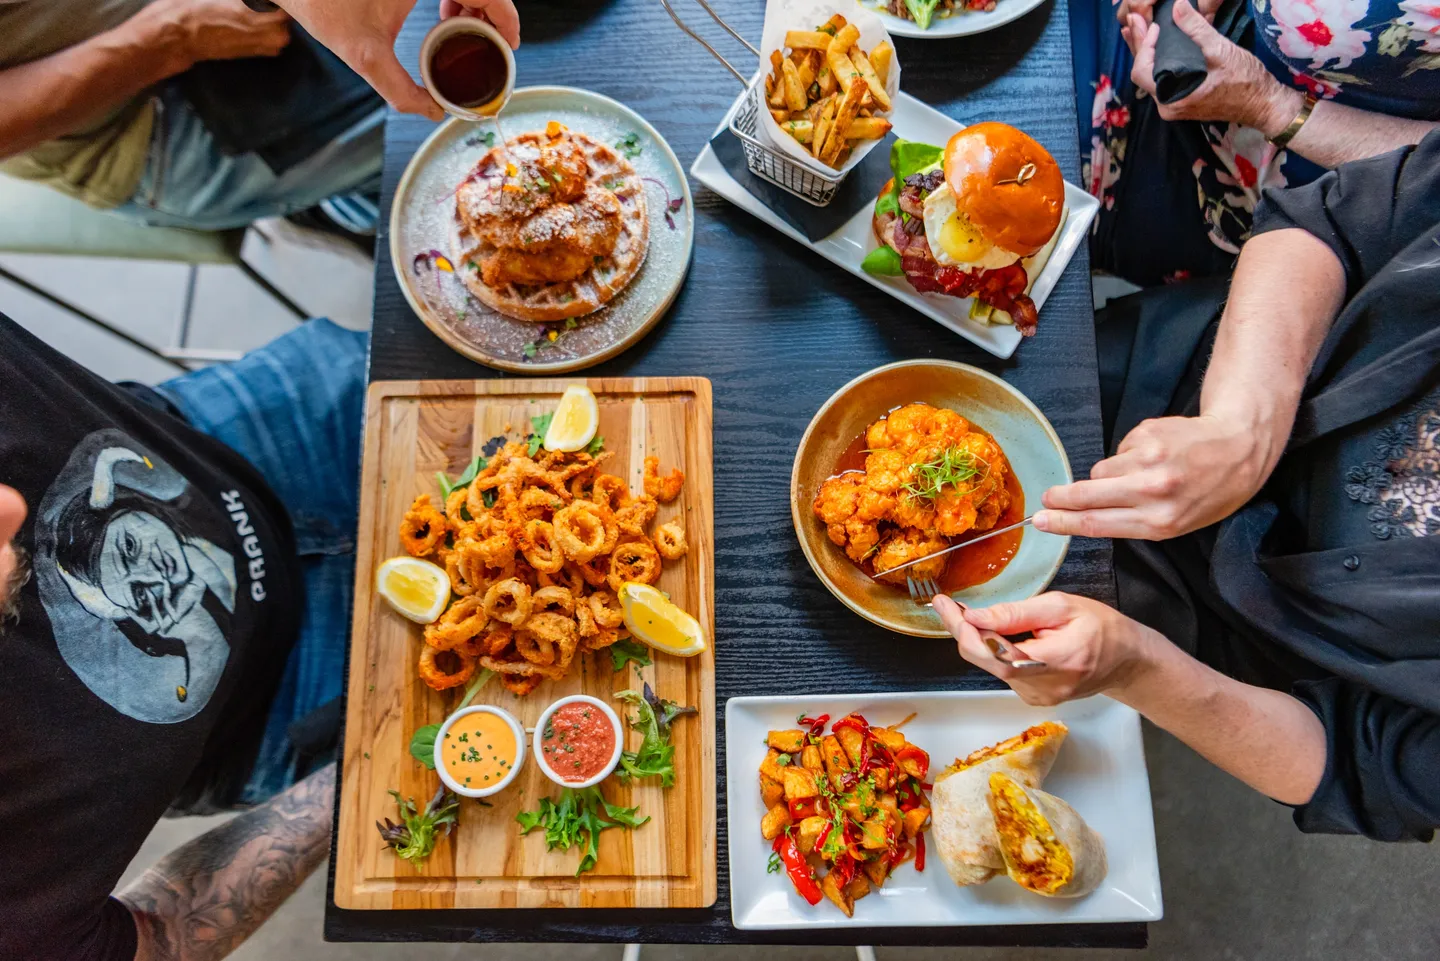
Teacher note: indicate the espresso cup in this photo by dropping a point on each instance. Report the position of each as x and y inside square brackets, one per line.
[466, 79]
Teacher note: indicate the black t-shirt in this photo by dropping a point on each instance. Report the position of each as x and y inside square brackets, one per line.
[150, 641]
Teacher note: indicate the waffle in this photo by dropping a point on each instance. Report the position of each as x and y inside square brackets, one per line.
[596, 286]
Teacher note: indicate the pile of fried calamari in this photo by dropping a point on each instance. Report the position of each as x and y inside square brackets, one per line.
[537, 549]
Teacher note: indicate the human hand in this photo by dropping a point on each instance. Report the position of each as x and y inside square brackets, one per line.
[363, 32]
[1088, 647]
[199, 30]
[12, 574]
[1146, 11]
[499, 13]
[1237, 89]
[1169, 476]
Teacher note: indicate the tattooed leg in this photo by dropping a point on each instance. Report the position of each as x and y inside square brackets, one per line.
[200, 901]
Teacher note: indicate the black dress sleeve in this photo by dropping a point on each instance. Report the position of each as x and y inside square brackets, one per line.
[1382, 773]
[1365, 211]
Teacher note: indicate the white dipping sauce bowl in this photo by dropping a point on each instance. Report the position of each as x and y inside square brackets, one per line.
[544, 722]
[504, 782]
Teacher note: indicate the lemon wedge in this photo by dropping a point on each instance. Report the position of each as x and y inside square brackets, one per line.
[575, 421]
[416, 589]
[653, 619]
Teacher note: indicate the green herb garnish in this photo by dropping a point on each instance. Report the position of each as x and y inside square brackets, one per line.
[953, 467]
[628, 649]
[773, 865]
[629, 145]
[583, 812]
[414, 837]
[447, 486]
[538, 426]
[653, 717]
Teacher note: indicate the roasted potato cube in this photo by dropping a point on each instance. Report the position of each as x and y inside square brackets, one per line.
[771, 791]
[858, 887]
[772, 767]
[882, 779]
[911, 766]
[836, 763]
[835, 893]
[809, 832]
[810, 758]
[775, 821]
[893, 740]
[873, 831]
[915, 821]
[853, 742]
[787, 741]
[799, 784]
[888, 802]
[877, 870]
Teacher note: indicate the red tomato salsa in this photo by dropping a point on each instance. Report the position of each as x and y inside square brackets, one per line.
[578, 741]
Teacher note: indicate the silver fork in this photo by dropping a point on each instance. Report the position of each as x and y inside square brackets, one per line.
[924, 589]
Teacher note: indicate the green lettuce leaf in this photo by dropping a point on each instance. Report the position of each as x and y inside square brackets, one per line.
[921, 11]
[882, 262]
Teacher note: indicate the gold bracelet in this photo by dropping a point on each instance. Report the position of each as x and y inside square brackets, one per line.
[1284, 137]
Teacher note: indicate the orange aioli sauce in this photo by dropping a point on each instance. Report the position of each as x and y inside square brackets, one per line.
[964, 568]
[479, 750]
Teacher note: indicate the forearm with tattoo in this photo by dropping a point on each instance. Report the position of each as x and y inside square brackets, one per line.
[200, 901]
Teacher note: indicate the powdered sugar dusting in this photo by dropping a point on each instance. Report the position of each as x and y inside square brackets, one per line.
[423, 220]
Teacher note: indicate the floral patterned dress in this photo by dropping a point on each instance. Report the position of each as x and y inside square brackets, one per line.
[1178, 199]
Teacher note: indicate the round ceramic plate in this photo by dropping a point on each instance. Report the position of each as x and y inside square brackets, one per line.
[1030, 444]
[957, 24]
[420, 230]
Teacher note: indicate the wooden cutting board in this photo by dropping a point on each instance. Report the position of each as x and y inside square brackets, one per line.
[414, 429]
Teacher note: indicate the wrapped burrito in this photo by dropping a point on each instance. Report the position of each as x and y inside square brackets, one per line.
[1047, 847]
[962, 827]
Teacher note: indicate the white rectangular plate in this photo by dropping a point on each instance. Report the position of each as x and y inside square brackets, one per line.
[1100, 771]
[849, 244]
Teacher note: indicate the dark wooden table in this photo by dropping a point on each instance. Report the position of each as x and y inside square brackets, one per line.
[777, 329]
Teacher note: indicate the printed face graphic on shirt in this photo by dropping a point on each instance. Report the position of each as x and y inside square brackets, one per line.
[140, 599]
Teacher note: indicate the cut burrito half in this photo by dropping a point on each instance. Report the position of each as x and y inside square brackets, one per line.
[962, 826]
[1047, 847]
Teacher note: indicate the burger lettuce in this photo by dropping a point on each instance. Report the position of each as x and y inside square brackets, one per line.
[906, 157]
[921, 11]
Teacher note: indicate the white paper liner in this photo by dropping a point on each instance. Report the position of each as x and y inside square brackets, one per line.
[782, 16]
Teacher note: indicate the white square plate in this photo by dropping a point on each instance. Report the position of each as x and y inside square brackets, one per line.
[1100, 771]
[849, 244]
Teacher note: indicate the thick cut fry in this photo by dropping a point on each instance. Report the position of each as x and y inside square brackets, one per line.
[868, 128]
[832, 26]
[775, 83]
[775, 821]
[880, 57]
[801, 130]
[872, 80]
[806, 64]
[844, 116]
[794, 91]
[836, 56]
[807, 40]
[822, 125]
[781, 116]
[825, 78]
[787, 741]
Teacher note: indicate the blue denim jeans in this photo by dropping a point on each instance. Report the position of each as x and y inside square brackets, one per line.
[293, 409]
[189, 182]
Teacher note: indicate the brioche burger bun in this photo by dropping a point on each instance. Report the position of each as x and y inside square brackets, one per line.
[1007, 188]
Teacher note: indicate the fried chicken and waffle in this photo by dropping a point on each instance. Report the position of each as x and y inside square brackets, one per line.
[536, 550]
[551, 225]
[930, 476]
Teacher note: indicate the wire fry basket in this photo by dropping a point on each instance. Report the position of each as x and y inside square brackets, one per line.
[764, 161]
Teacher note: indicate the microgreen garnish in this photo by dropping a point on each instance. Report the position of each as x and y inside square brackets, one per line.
[629, 145]
[671, 205]
[414, 837]
[951, 468]
[487, 138]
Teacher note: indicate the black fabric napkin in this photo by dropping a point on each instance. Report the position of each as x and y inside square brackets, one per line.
[282, 108]
[1179, 64]
[856, 192]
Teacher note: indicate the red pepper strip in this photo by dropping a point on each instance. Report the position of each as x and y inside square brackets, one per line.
[824, 833]
[802, 875]
[919, 852]
[844, 870]
[803, 807]
[926, 787]
[912, 753]
[816, 724]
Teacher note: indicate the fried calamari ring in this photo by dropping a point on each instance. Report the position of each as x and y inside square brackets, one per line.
[422, 529]
[633, 517]
[496, 640]
[537, 543]
[461, 621]
[552, 598]
[534, 648]
[670, 540]
[455, 507]
[535, 504]
[568, 577]
[595, 571]
[580, 530]
[634, 561]
[551, 629]
[520, 685]
[585, 620]
[663, 489]
[465, 569]
[602, 639]
[610, 490]
[508, 601]
[606, 609]
[435, 667]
